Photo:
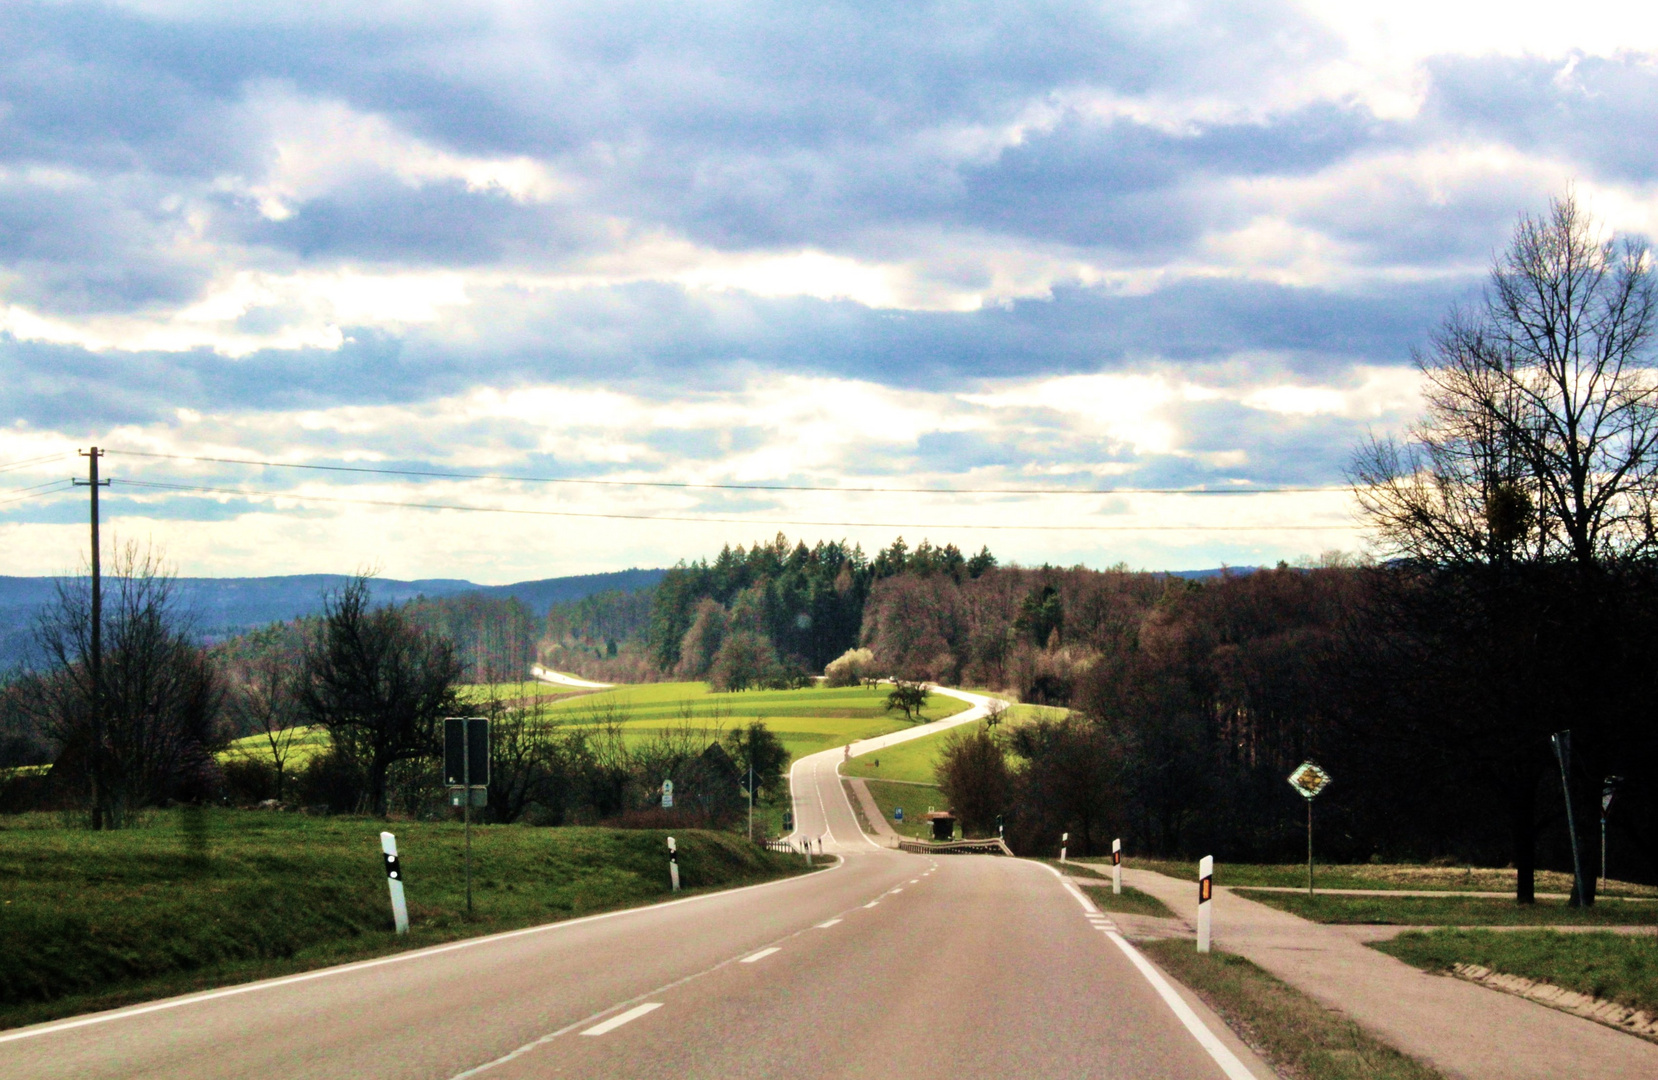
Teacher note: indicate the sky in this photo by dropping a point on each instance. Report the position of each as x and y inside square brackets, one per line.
[801, 255]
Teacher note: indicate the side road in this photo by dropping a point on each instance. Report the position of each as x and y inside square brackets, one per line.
[1459, 1028]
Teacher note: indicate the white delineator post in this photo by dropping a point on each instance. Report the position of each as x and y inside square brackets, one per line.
[1064, 838]
[673, 864]
[1116, 867]
[394, 881]
[1205, 897]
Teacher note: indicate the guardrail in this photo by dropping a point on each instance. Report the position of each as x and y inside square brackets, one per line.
[956, 847]
[782, 847]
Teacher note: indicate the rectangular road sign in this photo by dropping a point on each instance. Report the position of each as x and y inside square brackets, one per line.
[466, 743]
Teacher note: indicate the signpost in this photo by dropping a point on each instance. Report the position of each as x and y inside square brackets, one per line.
[1116, 867]
[1309, 780]
[466, 771]
[1609, 788]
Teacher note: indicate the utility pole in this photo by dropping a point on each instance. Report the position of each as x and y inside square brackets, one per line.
[1562, 741]
[95, 758]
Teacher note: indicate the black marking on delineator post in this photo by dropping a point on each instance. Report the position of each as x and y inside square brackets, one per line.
[394, 882]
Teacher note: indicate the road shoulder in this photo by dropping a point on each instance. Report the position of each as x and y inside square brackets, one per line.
[1457, 1027]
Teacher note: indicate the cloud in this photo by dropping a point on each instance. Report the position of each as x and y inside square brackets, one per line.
[1184, 244]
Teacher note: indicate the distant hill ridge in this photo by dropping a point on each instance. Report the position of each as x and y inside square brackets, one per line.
[225, 607]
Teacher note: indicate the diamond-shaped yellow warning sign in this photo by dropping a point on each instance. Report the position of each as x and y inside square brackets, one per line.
[1309, 780]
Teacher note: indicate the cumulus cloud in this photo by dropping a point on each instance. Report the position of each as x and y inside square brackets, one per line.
[1183, 244]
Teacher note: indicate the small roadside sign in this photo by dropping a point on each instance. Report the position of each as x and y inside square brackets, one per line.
[898, 813]
[1309, 780]
[667, 794]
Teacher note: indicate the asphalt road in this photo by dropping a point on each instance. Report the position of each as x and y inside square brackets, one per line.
[883, 965]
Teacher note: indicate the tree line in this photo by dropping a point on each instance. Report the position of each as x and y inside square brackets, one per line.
[1512, 600]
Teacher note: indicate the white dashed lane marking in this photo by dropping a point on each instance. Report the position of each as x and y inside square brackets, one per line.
[761, 955]
[622, 1018]
[872, 903]
[827, 925]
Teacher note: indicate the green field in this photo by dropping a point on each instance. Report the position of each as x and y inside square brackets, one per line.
[1378, 876]
[307, 743]
[915, 799]
[518, 691]
[1616, 967]
[806, 720]
[1454, 910]
[198, 898]
[915, 760]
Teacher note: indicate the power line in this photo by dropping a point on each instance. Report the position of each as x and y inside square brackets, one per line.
[35, 492]
[26, 462]
[439, 475]
[250, 492]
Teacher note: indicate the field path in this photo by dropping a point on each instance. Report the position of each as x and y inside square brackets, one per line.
[558, 678]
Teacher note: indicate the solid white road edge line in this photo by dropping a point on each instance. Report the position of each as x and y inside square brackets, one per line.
[363, 965]
[761, 955]
[1224, 1057]
[617, 1021]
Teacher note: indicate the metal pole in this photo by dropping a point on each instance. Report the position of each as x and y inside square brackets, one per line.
[1309, 847]
[466, 803]
[1562, 752]
[751, 795]
[1603, 851]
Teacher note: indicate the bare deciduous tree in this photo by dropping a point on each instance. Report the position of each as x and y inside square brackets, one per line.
[1541, 436]
[161, 694]
[379, 683]
[265, 702]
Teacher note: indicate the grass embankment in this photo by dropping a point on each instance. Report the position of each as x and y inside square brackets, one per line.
[205, 898]
[915, 799]
[1130, 902]
[1381, 876]
[1454, 910]
[915, 761]
[1616, 967]
[1296, 1035]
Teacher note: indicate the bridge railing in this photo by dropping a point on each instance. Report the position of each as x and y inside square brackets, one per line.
[994, 846]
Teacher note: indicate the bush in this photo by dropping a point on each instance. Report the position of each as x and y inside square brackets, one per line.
[334, 781]
[851, 668]
[973, 774]
[247, 782]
